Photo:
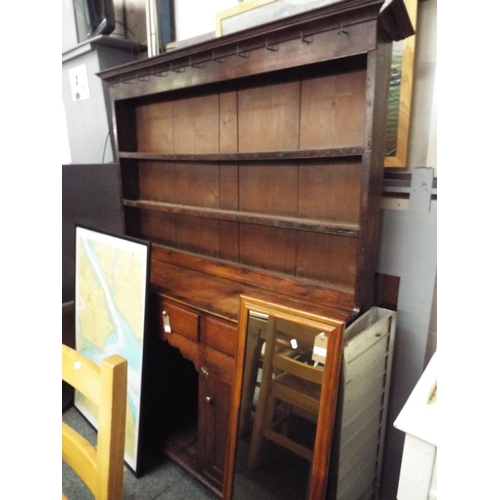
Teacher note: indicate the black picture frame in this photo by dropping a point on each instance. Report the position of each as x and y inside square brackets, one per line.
[111, 303]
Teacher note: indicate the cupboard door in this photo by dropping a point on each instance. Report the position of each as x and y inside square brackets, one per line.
[216, 378]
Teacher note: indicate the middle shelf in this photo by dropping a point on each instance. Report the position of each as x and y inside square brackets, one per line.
[341, 229]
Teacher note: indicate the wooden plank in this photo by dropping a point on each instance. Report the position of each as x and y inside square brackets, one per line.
[330, 192]
[198, 235]
[268, 190]
[268, 248]
[155, 127]
[228, 186]
[348, 230]
[377, 90]
[228, 122]
[213, 288]
[254, 156]
[152, 179]
[327, 258]
[195, 184]
[158, 227]
[343, 126]
[268, 118]
[192, 184]
[196, 122]
[228, 241]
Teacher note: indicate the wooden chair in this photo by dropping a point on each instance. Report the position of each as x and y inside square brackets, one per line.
[287, 378]
[101, 467]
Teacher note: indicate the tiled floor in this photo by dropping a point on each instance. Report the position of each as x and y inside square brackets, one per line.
[165, 480]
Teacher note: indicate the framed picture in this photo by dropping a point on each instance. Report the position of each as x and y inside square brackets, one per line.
[236, 18]
[400, 96]
[256, 12]
[111, 287]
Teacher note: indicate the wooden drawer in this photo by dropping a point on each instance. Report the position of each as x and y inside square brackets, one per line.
[181, 321]
[220, 335]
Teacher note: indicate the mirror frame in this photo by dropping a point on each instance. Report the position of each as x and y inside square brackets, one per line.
[329, 391]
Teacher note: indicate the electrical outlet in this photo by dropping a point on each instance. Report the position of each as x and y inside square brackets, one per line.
[79, 83]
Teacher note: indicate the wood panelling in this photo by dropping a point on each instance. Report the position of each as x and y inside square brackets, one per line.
[268, 118]
[336, 185]
[268, 188]
[228, 241]
[158, 227]
[333, 111]
[228, 186]
[196, 124]
[196, 184]
[198, 235]
[228, 122]
[152, 179]
[327, 258]
[192, 184]
[268, 248]
[155, 127]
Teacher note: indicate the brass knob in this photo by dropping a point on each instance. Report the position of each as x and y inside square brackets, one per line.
[209, 400]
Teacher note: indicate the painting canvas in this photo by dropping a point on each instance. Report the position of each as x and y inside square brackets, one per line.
[111, 282]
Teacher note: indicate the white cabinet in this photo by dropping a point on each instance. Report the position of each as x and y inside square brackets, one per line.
[418, 419]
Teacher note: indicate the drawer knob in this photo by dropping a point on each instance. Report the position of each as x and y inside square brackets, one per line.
[209, 400]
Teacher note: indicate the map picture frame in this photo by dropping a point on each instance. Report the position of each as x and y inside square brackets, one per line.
[111, 291]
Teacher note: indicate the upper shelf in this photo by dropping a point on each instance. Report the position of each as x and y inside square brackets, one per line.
[237, 157]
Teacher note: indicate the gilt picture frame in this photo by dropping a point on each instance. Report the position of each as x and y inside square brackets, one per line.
[400, 96]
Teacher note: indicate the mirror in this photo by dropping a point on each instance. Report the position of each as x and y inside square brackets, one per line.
[284, 400]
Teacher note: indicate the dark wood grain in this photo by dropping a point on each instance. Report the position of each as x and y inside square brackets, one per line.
[244, 157]
[256, 172]
[303, 224]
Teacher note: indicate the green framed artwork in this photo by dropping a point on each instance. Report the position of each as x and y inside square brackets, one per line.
[111, 287]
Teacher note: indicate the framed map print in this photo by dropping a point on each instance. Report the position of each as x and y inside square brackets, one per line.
[111, 285]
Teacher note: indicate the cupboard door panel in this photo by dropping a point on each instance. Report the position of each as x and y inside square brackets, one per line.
[215, 403]
[333, 111]
[268, 118]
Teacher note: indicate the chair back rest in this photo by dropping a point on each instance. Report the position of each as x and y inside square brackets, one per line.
[101, 467]
[290, 359]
